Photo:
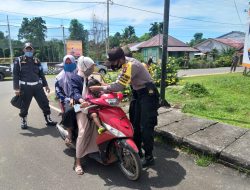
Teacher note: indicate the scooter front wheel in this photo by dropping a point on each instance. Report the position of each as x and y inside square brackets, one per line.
[130, 164]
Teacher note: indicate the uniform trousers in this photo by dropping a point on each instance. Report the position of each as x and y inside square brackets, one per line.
[143, 115]
[36, 91]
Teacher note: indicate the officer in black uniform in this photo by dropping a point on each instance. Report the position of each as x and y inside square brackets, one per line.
[143, 110]
[28, 82]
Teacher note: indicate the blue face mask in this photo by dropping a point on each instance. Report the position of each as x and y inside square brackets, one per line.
[28, 54]
[69, 67]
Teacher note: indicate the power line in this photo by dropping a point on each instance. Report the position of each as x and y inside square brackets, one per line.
[76, 2]
[19, 13]
[186, 18]
[130, 7]
[236, 8]
[70, 11]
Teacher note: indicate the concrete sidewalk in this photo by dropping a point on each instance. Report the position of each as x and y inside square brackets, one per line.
[228, 143]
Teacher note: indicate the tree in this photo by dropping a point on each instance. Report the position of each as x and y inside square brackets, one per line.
[128, 35]
[1, 35]
[77, 32]
[114, 41]
[128, 32]
[156, 28]
[144, 37]
[33, 30]
[198, 38]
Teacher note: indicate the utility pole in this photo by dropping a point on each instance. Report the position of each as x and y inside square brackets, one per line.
[164, 59]
[10, 45]
[64, 45]
[107, 37]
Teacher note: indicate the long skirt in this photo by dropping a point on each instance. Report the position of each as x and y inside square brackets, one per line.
[86, 140]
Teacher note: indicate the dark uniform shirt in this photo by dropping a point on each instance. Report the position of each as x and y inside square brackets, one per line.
[28, 69]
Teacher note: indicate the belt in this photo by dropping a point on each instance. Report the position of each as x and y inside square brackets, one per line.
[29, 83]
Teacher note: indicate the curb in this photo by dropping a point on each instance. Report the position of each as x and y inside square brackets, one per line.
[225, 159]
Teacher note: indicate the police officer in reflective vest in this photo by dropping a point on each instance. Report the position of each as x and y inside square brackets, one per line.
[144, 109]
[28, 82]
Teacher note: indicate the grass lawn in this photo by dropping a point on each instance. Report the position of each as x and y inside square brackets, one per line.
[228, 100]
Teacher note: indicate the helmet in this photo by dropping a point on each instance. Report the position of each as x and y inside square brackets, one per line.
[28, 44]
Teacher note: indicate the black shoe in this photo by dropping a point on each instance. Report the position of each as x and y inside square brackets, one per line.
[148, 161]
[49, 121]
[24, 123]
[140, 154]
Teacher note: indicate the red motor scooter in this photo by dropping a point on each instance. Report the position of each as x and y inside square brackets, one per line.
[116, 143]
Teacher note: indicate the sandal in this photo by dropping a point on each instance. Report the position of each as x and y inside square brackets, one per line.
[68, 142]
[79, 170]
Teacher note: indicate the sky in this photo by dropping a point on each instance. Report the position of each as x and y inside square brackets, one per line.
[187, 17]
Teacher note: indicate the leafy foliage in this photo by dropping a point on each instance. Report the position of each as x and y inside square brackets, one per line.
[156, 28]
[1, 35]
[198, 38]
[111, 77]
[144, 37]
[195, 89]
[128, 35]
[77, 32]
[114, 41]
[33, 30]
[171, 70]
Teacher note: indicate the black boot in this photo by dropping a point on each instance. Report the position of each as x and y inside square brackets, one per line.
[49, 121]
[24, 123]
[148, 161]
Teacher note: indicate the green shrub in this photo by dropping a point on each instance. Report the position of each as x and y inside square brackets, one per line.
[223, 61]
[111, 77]
[195, 89]
[201, 63]
[171, 71]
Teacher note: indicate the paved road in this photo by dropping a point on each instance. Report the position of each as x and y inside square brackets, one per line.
[37, 159]
[197, 72]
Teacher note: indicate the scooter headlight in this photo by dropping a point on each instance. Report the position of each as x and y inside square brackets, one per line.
[112, 102]
[114, 131]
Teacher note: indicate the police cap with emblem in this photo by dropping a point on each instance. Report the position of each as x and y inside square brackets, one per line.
[28, 44]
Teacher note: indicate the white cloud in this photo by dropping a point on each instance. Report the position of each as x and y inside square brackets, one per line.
[120, 17]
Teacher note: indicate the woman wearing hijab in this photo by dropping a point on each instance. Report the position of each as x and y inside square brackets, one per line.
[86, 140]
[63, 90]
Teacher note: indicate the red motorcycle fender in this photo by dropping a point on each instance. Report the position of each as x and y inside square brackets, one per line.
[129, 143]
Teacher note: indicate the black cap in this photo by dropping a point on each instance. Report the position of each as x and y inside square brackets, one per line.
[28, 44]
[115, 53]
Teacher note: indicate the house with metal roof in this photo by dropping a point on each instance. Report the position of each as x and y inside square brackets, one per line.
[153, 48]
[232, 39]
[234, 35]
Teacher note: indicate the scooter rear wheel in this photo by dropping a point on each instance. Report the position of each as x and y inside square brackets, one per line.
[130, 164]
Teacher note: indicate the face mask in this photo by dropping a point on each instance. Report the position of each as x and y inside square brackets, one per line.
[28, 54]
[116, 66]
[88, 72]
[69, 67]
